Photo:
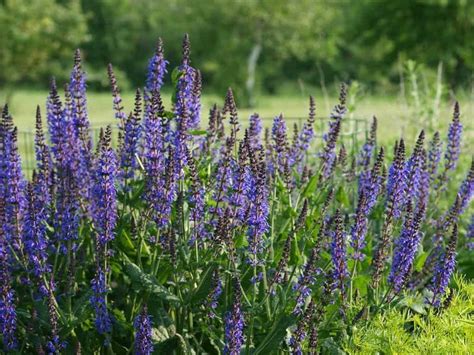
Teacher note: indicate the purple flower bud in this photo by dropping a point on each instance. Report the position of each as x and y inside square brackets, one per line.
[328, 156]
[434, 156]
[280, 146]
[453, 148]
[304, 138]
[117, 99]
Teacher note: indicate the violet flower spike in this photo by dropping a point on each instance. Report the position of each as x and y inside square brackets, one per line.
[338, 254]
[214, 295]
[131, 141]
[405, 250]
[444, 269]
[8, 317]
[104, 206]
[328, 156]
[453, 148]
[103, 321]
[234, 325]
[143, 335]
[397, 181]
[434, 156]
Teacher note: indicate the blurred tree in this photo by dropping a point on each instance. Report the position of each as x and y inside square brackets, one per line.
[380, 33]
[243, 44]
[38, 39]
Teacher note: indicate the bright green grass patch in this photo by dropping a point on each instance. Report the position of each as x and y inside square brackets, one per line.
[410, 329]
[395, 117]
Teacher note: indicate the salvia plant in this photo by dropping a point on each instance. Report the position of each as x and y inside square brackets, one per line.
[170, 235]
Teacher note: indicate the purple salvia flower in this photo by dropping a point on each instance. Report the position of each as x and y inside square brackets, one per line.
[242, 181]
[54, 345]
[43, 160]
[55, 121]
[280, 146]
[338, 254]
[302, 287]
[156, 69]
[8, 318]
[470, 234]
[216, 291]
[434, 156]
[367, 153]
[423, 192]
[405, 249]
[397, 181]
[359, 228]
[234, 325]
[297, 338]
[453, 148]
[328, 156]
[131, 140]
[13, 185]
[195, 107]
[80, 122]
[160, 171]
[463, 198]
[231, 108]
[104, 193]
[258, 208]
[444, 269]
[255, 130]
[34, 237]
[143, 335]
[117, 100]
[67, 219]
[466, 191]
[196, 202]
[372, 185]
[414, 171]
[304, 137]
[103, 321]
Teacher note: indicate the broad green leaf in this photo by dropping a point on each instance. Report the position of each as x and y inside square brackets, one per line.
[271, 343]
[204, 285]
[144, 282]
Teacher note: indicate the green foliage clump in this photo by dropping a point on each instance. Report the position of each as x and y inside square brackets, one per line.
[411, 329]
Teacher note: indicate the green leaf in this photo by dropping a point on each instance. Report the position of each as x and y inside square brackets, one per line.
[342, 197]
[145, 282]
[204, 286]
[271, 343]
[311, 186]
[330, 347]
[198, 132]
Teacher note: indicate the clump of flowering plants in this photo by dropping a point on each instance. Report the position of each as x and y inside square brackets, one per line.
[167, 235]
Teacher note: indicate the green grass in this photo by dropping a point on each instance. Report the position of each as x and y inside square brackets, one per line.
[395, 117]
